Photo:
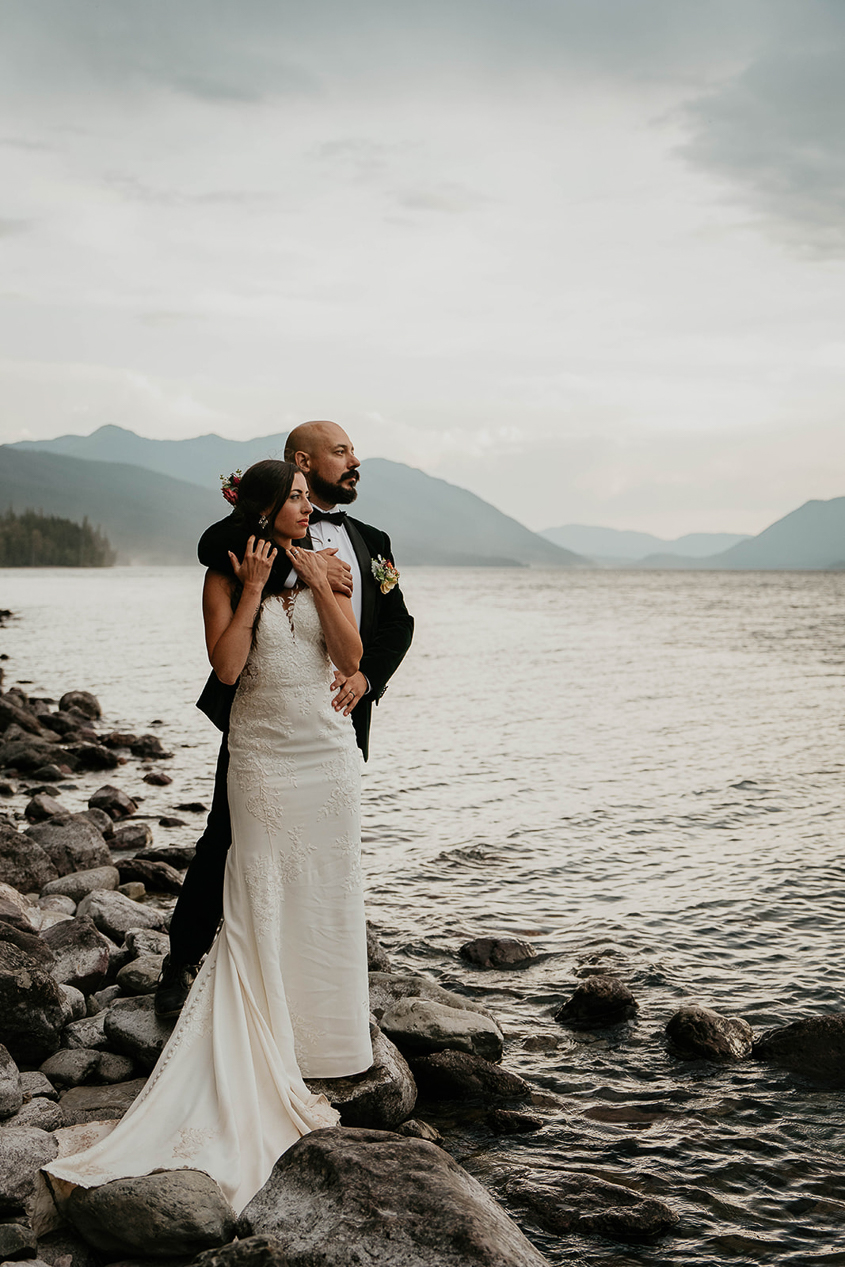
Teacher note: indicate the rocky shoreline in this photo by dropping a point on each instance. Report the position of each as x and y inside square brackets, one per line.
[85, 900]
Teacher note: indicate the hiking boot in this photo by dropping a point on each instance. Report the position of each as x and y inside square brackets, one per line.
[174, 986]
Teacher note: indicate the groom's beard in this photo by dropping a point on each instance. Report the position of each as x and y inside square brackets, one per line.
[339, 494]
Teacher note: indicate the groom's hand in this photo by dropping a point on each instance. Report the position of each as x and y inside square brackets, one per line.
[339, 574]
[348, 691]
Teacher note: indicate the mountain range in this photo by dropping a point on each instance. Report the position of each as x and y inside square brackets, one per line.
[152, 498]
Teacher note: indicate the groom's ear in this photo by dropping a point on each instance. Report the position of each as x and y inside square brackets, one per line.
[302, 460]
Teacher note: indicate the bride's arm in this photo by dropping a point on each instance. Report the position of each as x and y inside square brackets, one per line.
[228, 634]
[343, 642]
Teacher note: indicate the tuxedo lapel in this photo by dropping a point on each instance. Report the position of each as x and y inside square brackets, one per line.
[368, 589]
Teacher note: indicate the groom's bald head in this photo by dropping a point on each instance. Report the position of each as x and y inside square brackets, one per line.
[324, 454]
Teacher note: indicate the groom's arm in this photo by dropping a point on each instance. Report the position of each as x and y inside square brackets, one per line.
[386, 648]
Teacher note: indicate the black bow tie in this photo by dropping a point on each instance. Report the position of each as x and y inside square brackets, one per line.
[334, 517]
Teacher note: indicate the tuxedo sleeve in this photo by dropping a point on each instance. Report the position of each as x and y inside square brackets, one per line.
[391, 638]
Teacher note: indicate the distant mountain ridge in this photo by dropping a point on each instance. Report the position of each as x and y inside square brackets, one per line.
[618, 544]
[155, 502]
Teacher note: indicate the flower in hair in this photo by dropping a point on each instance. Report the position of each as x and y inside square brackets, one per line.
[230, 485]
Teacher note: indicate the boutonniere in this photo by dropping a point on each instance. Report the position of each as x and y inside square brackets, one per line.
[385, 573]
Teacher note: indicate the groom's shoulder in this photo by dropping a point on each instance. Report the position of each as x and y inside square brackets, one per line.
[368, 531]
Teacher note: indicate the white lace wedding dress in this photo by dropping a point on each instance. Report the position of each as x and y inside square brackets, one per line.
[283, 991]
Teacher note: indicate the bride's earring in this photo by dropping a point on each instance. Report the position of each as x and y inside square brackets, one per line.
[263, 522]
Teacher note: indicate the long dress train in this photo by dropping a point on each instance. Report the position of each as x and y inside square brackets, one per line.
[283, 991]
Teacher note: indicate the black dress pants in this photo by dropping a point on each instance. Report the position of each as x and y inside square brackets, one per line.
[199, 908]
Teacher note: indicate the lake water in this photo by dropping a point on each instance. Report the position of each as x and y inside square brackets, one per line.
[645, 767]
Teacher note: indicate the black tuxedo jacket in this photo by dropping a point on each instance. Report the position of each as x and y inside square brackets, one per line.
[386, 625]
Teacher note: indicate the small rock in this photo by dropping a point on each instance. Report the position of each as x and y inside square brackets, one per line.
[72, 843]
[192, 807]
[419, 1027]
[456, 1075]
[92, 756]
[378, 959]
[75, 1000]
[32, 1010]
[50, 774]
[11, 1091]
[60, 723]
[415, 1129]
[99, 1104]
[381, 1097]
[699, 1033]
[42, 807]
[814, 1047]
[169, 821]
[40, 1113]
[133, 889]
[171, 1213]
[17, 1241]
[86, 1033]
[24, 865]
[83, 701]
[113, 802]
[70, 1068]
[30, 943]
[34, 1083]
[540, 1042]
[340, 1197]
[513, 1122]
[119, 739]
[58, 902]
[564, 1202]
[598, 1001]
[78, 884]
[251, 1251]
[157, 778]
[146, 941]
[388, 988]
[101, 821]
[81, 954]
[498, 952]
[133, 1029]
[23, 1151]
[24, 753]
[114, 914]
[102, 1000]
[113, 1068]
[148, 746]
[23, 921]
[7, 789]
[141, 975]
[133, 836]
[179, 856]
[157, 877]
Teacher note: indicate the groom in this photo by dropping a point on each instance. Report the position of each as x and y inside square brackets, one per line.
[324, 454]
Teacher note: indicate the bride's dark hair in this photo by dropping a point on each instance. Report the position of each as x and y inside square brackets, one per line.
[264, 488]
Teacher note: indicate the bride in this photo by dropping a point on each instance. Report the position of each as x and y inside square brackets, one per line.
[282, 994]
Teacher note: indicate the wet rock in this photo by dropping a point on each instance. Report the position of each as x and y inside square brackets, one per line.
[388, 988]
[23, 1151]
[119, 739]
[72, 843]
[148, 746]
[157, 778]
[514, 1121]
[598, 1001]
[58, 902]
[50, 774]
[32, 1010]
[140, 976]
[699, 1033]
[146, 941]
[456, 1075]
[25, 753]
[11, 1091]
[81, 954]
[70, 1068]
[378, 959]
[34, 1083]
[83, 701]
[420, 1026]
[133, 1029]
[132, 836]
[192, 807]
[563, 1202]
[79, 884]
[179, 856]
[251, 1251]
[114, 914]
[157, 877]
[415, 1129]
[339, 1197]
[113, 801]
[6, 788]
[89, 1032]
[17, 1241]
[99, 1103]
[101, 821]
[24, 865]
[814, 1047]
[172, 1213]
[498, 952]
[382, 1097]
[40, 1113]
[92, 756]
[168, 820]
[42, 807]
[60, 723]
[12, 714]
[540, 1042]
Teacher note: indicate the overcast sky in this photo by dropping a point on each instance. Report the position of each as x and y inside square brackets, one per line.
[584, 257]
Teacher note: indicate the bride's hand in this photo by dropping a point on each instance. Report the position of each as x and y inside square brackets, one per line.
[257, 563]
[310, 566]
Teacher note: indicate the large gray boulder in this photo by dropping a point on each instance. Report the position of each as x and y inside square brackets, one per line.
[72, 843]
[564, 1202]
[698, 1033]
[79, 884]
[814, 1047]
[382, 1097]
[597, 1002]
[168, 1214]
[32, 1009]
[81, 954]
[11, 1092]
[389, 988]
[341, 1197]
[420, 1026]
[23, 1151]
[23, 863]
[114, 914]
[132, 1028]
[71, 1067]
[80, 1105]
